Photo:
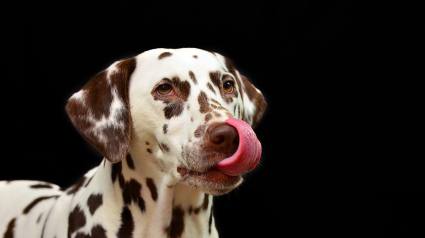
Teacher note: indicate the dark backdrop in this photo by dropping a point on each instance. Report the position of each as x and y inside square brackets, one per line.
[341, 80]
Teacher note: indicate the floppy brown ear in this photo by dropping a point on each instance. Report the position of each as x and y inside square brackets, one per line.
[254, 103]
[100, 110]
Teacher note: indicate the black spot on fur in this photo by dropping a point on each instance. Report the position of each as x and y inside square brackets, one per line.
[94, 202]
[210, 221]
[9, 230]
[116, 172]
[176, 228]
[76, 220]
[149, 151]
[33, 203]
[96, 232]
[132, 193]
[165, 128]
[216, 78]
[130, 162]
[127, 224]
[151, 185]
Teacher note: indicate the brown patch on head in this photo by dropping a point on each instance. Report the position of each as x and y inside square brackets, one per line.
[130, 162]
[9, 230]
[41, 186]
[182, 86]
[192, 76]
[76, 220]
[176, 228]
[217, 114]
[35, 202]
[127, 224]
[152, 187]
[165, 54]
[94, 202]
[93, 103]
[204, 106]
[132, 193]
[76, 187]
[200, 131]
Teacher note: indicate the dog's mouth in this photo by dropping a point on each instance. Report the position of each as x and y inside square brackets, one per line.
[212, 180]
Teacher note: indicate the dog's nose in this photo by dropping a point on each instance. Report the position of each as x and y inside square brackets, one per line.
[225, 138]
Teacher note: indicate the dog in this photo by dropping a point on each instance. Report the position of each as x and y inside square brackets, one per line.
[175, 128]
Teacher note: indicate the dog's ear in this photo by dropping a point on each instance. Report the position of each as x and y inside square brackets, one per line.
[100, 110]
[254, 103]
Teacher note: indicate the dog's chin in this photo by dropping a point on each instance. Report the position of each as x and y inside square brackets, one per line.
[210, 181]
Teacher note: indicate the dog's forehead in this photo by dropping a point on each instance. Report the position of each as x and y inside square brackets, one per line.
[167, 63]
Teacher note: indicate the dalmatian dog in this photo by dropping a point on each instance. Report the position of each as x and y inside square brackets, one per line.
[175, 128]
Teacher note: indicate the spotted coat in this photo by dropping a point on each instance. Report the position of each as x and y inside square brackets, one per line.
[152, 117]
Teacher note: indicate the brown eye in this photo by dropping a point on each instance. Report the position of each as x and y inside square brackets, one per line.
[228, 86]
[164, 89]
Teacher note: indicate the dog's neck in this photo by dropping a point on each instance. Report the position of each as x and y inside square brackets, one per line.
[151, 203]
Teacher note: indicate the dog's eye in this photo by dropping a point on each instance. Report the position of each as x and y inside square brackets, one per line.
[228, 86]
[164, 89]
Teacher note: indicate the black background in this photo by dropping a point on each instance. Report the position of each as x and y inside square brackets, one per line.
[340, 136]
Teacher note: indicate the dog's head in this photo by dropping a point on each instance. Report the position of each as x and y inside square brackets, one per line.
[188, 110]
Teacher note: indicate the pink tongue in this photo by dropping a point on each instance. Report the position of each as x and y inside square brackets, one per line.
[248, 153]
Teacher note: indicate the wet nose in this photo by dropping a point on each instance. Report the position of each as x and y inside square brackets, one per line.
[225, 138]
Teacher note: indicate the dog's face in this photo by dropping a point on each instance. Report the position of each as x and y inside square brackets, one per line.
[173, 106]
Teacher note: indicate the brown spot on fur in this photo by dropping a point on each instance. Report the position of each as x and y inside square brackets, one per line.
[76, 220]
[149, 151]
[33, 203]
[208, 117]
[173, 109]
[96, 232]
[147, 143]
[216, 78]
[164, 147]
[192, 76]
[151, 185]
[9, 231]
[165, 128]
[200, 131]
[127, 224]
[206, 200]
[204, 106]
[210, 87]
[88, 182]
[132, 193]
[94, 202]
[217, 114]
[165, 54]
[74, 189]
[182, 86]
[41, 186]
[213, 106]
[195, 56]
[130, 161]
[176, 228]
